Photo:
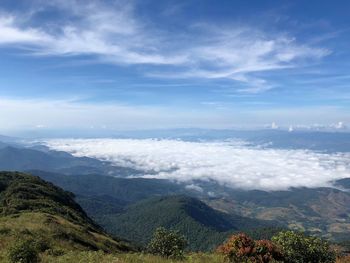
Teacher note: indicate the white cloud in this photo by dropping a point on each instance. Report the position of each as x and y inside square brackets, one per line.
[229, 162]
[115, 34]
[109, 32]
[10, 34]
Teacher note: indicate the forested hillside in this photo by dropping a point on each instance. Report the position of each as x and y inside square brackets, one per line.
[204, 227]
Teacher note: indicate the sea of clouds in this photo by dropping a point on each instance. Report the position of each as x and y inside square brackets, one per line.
[231, 163]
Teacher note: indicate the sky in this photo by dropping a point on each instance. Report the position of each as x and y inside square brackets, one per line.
[146, 64]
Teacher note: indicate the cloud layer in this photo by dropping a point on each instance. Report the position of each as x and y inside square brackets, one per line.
[230, 163]
[116, 34]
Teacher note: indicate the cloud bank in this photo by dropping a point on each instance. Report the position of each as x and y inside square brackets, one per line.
[230, 163]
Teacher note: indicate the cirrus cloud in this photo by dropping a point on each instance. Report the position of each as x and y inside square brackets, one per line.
[116, 34]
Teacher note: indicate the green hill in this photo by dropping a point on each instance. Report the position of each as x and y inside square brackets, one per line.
[35, 209]
[203, 226]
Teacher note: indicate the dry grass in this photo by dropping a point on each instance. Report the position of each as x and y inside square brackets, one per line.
[345, 259]
[100, 257]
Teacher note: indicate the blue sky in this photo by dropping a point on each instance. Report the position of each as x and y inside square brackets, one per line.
[170, 64]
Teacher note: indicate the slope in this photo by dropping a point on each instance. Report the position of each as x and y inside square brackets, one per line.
[33, 208]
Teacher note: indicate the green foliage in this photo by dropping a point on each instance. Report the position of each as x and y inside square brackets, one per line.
[167, 243]
[23, 251]
[241, 248]
[298, 248]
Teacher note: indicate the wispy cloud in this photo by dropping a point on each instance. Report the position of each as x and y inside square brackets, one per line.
[230, 163]
[110, 33]
[116, 34]
[11, 34]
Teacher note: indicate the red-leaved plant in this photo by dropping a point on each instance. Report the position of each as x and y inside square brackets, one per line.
[241, 248]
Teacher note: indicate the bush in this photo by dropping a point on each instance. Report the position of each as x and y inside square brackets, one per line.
[23, 251]
[167, 243]
[266, 251]
[243, 249]
[298, 248]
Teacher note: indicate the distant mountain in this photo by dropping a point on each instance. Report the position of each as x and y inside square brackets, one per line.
[33, 208]
[343, 183]
[321, 211]
[23, 159]
[311, 140]
[8, 139]
[3, 145]
[204, 227]
[126, 190]
[318, 140]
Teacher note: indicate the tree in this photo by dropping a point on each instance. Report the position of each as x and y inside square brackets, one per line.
[167, 243]
[298, 248]
[243, 249]
[23, 251]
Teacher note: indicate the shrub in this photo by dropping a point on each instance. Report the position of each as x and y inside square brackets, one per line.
[167, 243]
[243, 249]
[266, 251]
[23, 251]
[298, 248]
[238, 248]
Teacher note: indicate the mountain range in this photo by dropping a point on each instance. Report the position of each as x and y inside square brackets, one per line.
[119, 203]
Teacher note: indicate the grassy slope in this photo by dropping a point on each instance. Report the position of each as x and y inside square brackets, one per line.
[94, 257]
[33, 208]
